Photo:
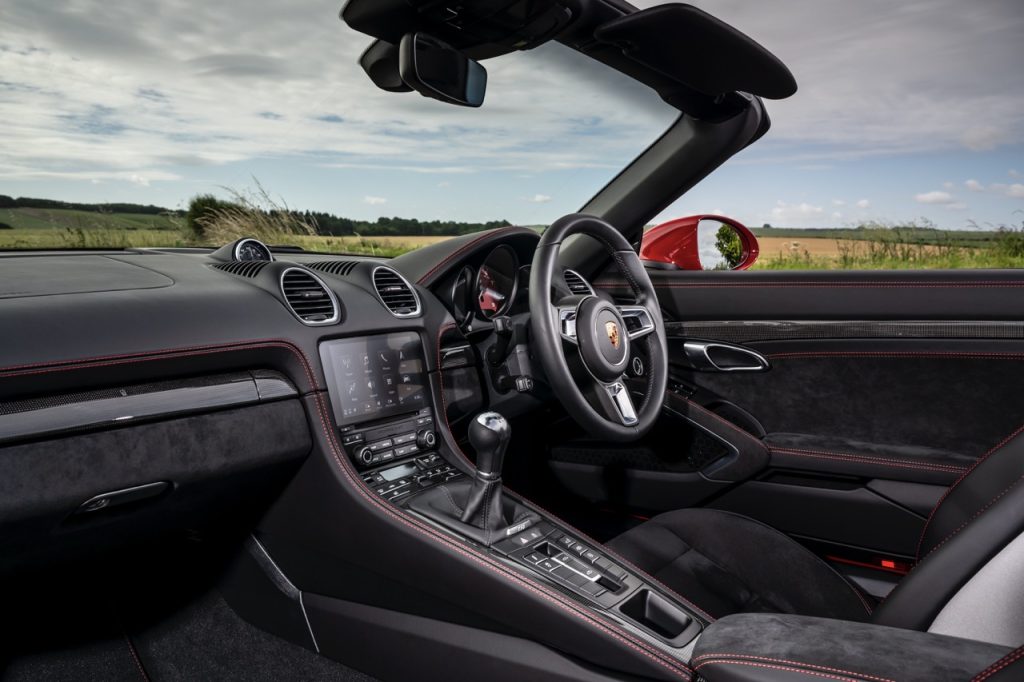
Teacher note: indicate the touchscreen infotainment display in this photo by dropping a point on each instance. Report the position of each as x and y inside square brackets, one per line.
[374, 376]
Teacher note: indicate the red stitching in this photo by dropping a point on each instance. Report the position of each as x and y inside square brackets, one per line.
[787, 669]
[468, 245]
[865, 459]
[898, 354]
[135, 657]
[742, 432]
[783, 660]
[976, 515]
[1003, 662]
[131, 358]
[673, 666]
[945, 495]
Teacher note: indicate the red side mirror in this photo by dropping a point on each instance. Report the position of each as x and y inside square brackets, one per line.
[701, 242]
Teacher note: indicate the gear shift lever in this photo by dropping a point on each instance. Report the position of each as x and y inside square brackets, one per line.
[489, 434]
[476, 508]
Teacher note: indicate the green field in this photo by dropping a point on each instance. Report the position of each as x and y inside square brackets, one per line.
[871, 247]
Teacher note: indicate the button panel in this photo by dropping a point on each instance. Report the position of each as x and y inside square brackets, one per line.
[386, 442]
[566, 560]
[424, 471]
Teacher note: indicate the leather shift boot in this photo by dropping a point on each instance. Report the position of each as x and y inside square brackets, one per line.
[475, 508]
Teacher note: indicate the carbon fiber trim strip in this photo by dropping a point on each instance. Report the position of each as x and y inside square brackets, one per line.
[781, 330]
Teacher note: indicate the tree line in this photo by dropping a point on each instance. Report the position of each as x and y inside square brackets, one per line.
[324, 224]
[28, 202]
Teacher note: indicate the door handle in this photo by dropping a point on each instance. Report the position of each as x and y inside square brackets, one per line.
[715, 356]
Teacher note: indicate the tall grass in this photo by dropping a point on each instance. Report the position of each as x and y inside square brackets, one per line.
[897, 248]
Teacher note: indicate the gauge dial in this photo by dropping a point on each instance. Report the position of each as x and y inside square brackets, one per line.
[496, 282]
[252, 249]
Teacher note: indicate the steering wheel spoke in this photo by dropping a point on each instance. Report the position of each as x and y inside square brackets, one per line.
[638, 319]
[565, 322]
[616, 403]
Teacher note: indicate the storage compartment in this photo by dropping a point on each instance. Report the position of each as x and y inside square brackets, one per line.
[660, 617]
[64, 498]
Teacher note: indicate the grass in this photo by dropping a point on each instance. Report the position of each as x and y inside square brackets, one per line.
[895, 248]
[871, 247]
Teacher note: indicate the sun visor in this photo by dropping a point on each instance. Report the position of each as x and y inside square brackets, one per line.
[694, 48]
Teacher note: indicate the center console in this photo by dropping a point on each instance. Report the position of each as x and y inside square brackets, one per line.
[384, 414]
[382, 410]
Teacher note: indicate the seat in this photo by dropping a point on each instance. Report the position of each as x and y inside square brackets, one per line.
[968, 580]
[725, 563]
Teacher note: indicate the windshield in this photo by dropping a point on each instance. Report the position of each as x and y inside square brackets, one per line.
[156, 109]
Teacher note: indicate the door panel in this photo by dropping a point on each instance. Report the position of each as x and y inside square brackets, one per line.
[883, 389]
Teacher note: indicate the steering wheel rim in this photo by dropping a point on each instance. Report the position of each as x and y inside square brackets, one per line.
[589, 324]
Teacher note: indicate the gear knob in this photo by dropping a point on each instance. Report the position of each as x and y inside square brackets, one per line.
[489, 434]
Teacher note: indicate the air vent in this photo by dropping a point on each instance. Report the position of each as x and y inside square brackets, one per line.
[308, 297]
[396, 293]
[340, 268]
[576, 283]
[248, 268]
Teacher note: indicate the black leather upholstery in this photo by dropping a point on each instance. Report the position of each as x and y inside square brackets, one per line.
[782, 647]
[730, 564]
[978, 517]
[726, 563]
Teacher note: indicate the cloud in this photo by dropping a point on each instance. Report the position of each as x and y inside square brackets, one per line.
[793, 215]
[863, 203]
[836, 215]
[374, 201]
[838, 202]
[958, 65]
[1016, 190]
[974, 186]
[934, 197]
[983, 138]
[444, 183]
[1013, 173]
[956, 206]
[539, 199]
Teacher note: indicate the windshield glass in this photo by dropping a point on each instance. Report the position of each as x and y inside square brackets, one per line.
[145, 107]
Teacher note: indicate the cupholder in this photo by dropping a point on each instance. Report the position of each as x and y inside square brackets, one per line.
[656, 614]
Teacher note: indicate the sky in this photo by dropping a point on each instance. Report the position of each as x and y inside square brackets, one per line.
[906, 111]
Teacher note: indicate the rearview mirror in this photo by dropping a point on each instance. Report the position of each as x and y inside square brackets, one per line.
[437, 70]
[700, 242]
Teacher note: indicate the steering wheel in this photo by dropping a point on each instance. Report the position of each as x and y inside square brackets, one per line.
[583, 342]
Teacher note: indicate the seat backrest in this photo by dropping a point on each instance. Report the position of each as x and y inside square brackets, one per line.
[969, 576]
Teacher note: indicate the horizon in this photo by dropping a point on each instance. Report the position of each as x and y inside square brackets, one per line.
[904, 113]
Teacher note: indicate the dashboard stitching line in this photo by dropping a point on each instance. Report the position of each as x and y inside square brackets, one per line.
[465, 247]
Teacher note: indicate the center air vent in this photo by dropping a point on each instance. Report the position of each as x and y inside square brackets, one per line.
[396, 293]
[334, 267]
[309, 298]
[576, 283]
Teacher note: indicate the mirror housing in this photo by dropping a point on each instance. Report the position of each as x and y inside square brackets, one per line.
[436, 70]
[677, 244]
